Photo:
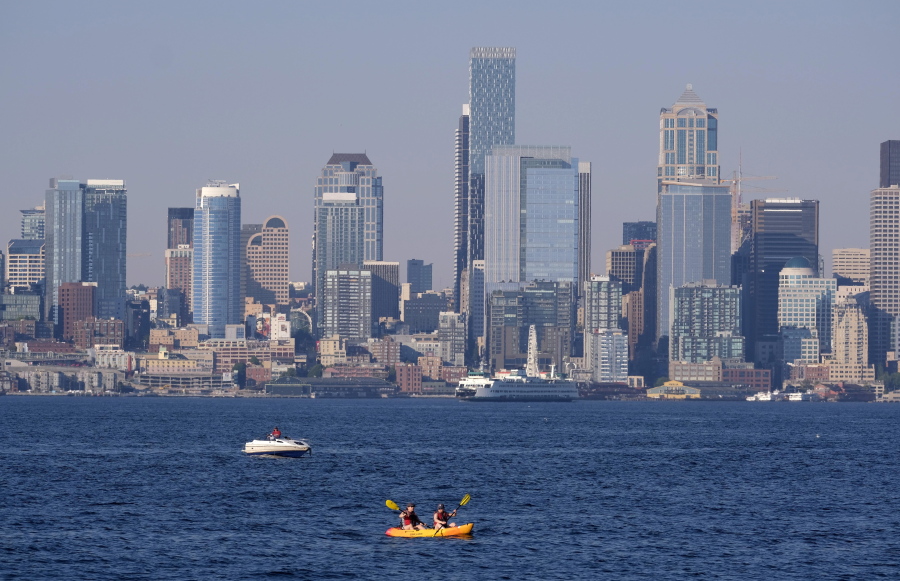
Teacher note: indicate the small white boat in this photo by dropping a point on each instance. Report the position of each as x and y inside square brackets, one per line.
[278, 447]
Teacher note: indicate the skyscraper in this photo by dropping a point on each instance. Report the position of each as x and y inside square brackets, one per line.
[852, 264]
[33, 221]
[890, 164]
[86, 229]
[688, 140]
[461, 202]
[850, 341]
[24, 263]
[492, 121]
[105, 242]
[385, 289]
[782, 229]
[693, 240]
[706, 323]
[268, 259]
[638, 231]
[349, 214]
[346, 304]
[418, 275]
[217, 257]
[180, 224]
[584, 224]
[531, 215]
[884, 245]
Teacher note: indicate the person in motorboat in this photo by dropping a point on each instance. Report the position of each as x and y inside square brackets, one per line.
[276, 433]
[410, 519]
[442, 518]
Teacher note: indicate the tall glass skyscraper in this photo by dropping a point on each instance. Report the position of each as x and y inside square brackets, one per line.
[890, 164]
[531, 214]
[86, 230]
[491, 121]
[217, 257]
[688, 140]
[461, 202]
[693, 239]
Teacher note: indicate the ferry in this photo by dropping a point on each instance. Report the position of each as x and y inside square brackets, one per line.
[516, 387]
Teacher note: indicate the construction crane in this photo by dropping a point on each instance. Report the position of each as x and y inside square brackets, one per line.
[740, 212]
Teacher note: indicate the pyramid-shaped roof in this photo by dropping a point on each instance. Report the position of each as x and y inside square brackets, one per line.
[689, 97]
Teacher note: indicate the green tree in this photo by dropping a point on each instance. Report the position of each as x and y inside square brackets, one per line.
[315, 370]
[240, 374]
[254, 360]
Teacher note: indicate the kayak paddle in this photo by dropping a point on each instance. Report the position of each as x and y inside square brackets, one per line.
[465, 500]
[391, 504]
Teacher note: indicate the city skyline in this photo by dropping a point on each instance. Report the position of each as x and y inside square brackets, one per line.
[771, 113]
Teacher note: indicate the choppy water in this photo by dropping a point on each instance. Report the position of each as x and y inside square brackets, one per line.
[157, 488]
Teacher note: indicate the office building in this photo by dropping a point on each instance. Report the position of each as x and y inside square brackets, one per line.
[782, 229]
[602, 303]
[24, 263]
[884, 284]
[547, 305]
[461, 207]
[688, 141]
[609, 355]
[693, 240]
[385, 289]
[33, 222]
[86, 232]
[584, 223]
[346, 300]
[849, 360]
[453, 336]
[216, 285]
[76, 303]
[180, 227]
[492, 121]
[626, 265]
[638, 231]
[805, 302]
[890, 164]
[22, 307]
[418, 275]
[268, 260]
[851, 264]
[531, 215]
[706, 322]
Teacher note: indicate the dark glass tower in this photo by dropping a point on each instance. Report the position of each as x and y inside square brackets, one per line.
[638, 231]
[782, 229]
[461, 196]
[890, 164]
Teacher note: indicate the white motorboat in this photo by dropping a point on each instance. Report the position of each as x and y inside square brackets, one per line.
[282, 446]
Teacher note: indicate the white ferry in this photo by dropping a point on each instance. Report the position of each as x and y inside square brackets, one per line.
[515, 387]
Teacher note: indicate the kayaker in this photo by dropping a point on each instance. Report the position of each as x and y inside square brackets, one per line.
[441, 518]
[410, 519]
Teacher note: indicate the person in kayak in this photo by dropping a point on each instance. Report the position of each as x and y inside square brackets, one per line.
[442, 518]
[410, 519]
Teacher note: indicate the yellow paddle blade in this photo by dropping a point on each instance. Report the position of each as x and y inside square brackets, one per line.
[465, 500]
[391, 505]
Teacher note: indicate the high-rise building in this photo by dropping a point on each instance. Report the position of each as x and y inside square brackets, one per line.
[693, 240]
[852, 264]
[33, 221]
[76, 303]
[602, 304]
[216, 285]
[461, 205]
[349, 208]
[86, 230]
[782, 229]
[584, 223]
[609, 355]
[706, 322]
[453, 337]
[531, 215]
[546, 305]
[180, 224]
[492, 121]
[638, 231]
[346, 304]
[890, 164]
[688, 141]
[104, 239]
[850, 340]
[268, 261]
[626, 265]
[385, 289]
[418, 275]
[805, 302]
[24, 263]
[884, 284]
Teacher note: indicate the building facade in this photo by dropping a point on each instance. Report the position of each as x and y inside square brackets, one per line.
[33, 223]
[346, 300]
[216, 285]
[638, 231]
[706, 322]
[268, 261]
[805, 303]
[461, 207]
[890, 164]
[418, 275]
[688, 141]
[24, 263]
[884, 284]
[852, 264]
[385, 289]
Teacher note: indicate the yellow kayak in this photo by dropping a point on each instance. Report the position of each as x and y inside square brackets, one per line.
[465, 529]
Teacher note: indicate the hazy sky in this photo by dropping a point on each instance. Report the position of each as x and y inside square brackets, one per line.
[167, 95]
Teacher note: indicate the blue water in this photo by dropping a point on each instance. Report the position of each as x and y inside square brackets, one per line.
[157, 488]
